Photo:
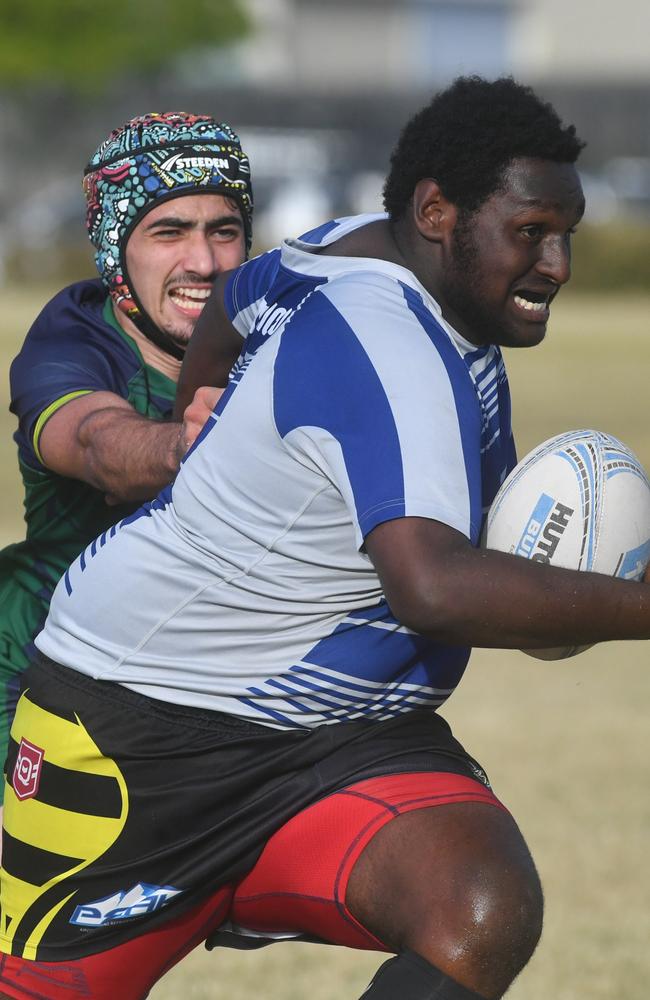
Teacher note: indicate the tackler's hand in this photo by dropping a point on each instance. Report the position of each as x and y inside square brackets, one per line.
[195, 415]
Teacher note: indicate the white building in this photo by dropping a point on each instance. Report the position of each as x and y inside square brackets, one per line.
[582, 40]
[404, 45]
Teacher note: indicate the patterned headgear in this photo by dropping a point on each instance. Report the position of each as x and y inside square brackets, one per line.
[148, 160]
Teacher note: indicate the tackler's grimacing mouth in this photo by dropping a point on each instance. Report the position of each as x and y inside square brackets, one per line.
[190, 299]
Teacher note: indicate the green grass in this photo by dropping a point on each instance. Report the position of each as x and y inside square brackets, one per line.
[566, 744]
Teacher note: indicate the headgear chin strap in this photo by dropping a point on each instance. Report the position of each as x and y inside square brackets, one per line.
[148, 160]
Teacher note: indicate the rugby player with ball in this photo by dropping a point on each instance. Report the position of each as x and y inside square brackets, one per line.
[231, 727]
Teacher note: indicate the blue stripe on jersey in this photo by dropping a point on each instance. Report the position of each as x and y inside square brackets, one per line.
[285, 298]
[250, 281]
[162, 501]
[272, 714]
[467, 405]
[369, 666]
[311, 691]
[373, 652]
[342, 706]
[324, 378]
[378, 612]
[316, 236]
[293, 701]
[327, 696]
[497, 444]
[481, 352]
[400, 688]
[362, 700]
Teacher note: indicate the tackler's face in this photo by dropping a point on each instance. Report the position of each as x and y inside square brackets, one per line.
[505, 263]
[175, 253]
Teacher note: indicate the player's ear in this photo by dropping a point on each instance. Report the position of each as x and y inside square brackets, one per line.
[433, 214]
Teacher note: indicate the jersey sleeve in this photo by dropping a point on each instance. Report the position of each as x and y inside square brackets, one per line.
[64, 356]
[372, 392]
[246, 290]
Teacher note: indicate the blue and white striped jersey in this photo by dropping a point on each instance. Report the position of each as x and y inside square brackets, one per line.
[245, 586]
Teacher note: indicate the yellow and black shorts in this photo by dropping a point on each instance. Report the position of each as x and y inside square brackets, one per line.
[122, 811]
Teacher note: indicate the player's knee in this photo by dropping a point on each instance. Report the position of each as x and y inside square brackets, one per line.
[490, 928]
[469, 900]
[504, 908]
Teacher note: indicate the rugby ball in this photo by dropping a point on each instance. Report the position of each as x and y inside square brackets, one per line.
[579, 500]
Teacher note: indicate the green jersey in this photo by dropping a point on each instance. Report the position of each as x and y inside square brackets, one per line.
[75, 346]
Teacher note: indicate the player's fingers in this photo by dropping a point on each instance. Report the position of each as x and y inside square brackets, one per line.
[198, 411]
[211, 394]
[206, 398]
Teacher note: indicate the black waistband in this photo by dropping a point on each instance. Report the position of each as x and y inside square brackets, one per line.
[187, 715]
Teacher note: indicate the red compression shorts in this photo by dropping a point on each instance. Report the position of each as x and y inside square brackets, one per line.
[298, 886]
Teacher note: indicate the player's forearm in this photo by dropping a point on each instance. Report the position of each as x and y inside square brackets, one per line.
[127, 456]
[437, 584]
[497, 600]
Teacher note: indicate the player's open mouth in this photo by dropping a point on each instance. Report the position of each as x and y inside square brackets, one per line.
[190, 300]
[534, 304]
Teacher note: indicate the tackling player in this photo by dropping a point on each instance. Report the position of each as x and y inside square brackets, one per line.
[169, 206]
[232, 721]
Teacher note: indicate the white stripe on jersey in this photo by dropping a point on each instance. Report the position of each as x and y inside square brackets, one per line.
[388, 626]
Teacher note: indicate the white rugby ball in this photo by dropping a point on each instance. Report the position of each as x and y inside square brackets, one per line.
[579, 500]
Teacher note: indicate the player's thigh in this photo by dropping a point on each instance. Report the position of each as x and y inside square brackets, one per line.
[300, 884]
[436, 878]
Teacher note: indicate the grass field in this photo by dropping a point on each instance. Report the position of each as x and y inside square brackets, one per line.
[566, 744]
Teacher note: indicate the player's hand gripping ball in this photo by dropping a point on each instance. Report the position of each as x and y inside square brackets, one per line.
[579, 500]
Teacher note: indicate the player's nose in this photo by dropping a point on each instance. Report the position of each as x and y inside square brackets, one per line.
[199, 256]
[554, 261]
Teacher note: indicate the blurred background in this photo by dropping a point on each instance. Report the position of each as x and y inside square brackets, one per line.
[318, 90]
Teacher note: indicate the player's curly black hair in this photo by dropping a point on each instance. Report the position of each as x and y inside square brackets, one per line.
[467, 136]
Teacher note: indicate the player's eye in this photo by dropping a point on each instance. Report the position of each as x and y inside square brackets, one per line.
[226, 233]
[532, 231]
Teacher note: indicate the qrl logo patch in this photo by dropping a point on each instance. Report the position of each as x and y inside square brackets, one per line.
[27, 772]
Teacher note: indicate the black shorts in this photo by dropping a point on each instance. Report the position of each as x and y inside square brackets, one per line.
[121, 807]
